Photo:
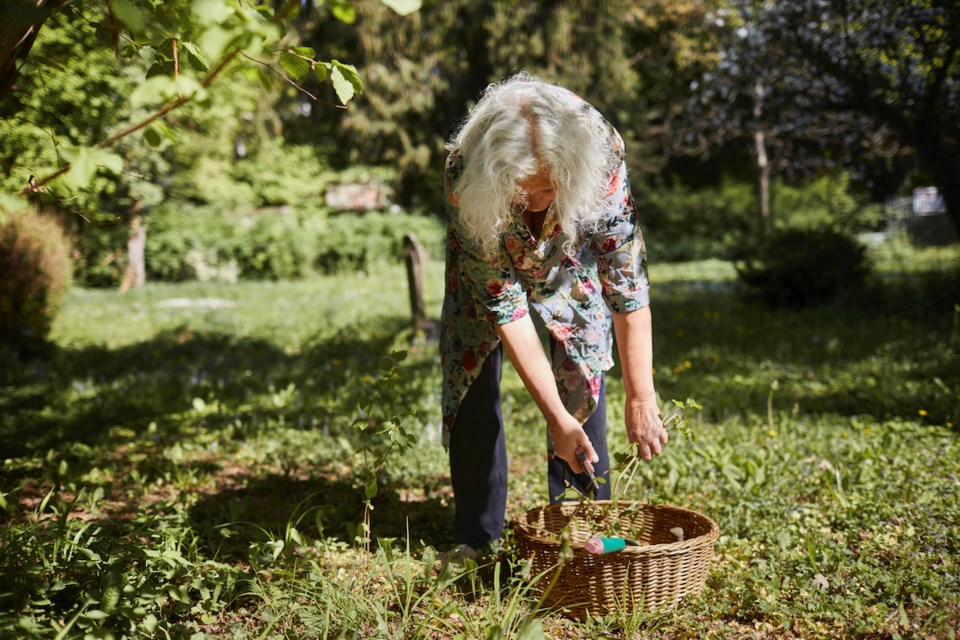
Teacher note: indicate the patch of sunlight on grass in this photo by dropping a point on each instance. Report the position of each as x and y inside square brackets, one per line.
[287, 313]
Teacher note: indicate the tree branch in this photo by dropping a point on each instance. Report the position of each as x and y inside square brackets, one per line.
[161, 112]
[297, 86]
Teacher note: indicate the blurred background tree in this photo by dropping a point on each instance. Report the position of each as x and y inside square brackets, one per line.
[895, 64]
[816, 87]
[422, 73]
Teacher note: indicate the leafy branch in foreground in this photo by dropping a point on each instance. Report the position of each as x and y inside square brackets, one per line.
[84, 162]
[380, 436]
[195, 32]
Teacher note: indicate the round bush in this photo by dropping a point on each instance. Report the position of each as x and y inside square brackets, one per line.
[804, 267]
[35, 274]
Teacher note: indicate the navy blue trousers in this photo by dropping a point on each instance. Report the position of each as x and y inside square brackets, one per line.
[478, 458]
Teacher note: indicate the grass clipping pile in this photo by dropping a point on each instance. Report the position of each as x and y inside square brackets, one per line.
[667, 560]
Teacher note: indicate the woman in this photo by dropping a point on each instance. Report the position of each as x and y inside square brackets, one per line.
[541, 217]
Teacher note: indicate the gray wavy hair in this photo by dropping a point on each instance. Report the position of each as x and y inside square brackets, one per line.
[518, 126]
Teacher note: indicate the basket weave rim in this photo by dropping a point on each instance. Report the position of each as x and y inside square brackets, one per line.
[709, 537]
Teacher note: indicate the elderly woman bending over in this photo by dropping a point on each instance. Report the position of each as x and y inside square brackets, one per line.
[540, 217]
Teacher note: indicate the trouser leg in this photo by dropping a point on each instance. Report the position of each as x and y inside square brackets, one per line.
[559, 474]
[478, 460]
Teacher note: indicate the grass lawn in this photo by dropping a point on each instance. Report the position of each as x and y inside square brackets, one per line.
[193, 461]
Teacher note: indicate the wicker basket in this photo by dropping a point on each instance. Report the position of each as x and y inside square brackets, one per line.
[655, 575]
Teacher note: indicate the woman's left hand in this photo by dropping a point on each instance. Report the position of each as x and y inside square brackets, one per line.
[645, 427]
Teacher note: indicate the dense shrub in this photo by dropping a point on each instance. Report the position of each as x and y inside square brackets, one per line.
[283, 175]
[830, 200]
[35, 274]
[201, 243]
[186, 242]
[359, 242]
[681, 224]
[96, 248]
[804, 267]
[276, 246]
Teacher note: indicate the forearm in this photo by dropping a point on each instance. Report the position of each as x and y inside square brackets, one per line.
[527, 355]
[635, 346]
[525, 351]
[642, 412]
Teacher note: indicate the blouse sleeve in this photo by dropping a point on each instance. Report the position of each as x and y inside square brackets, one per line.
[619, 250]
[490, 280]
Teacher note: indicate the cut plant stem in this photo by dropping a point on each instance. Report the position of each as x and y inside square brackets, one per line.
[634, 461]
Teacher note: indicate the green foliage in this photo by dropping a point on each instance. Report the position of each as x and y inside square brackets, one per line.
[98, 248]
[629, 61]
[203, 243]
[106, 583]
[185, 464]
[627, 463]
[382, 434]
[804, 267]
[35, 274]
[37, 137]
[680, 224]
[254, 139]
[895, 64]
[191, 243]
[222, 145]
[830, 200]
[282, 175]
[348, 242]
[276, 246]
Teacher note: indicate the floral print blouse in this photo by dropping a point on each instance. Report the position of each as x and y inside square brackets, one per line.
[572, 294]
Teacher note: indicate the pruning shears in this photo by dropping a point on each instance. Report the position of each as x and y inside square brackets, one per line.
[587, 468]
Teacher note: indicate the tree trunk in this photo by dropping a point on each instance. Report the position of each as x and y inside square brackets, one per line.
[416, 257]
[135, 274]
[763, 175]
[15, 43]
[763, 165]
[20, 21]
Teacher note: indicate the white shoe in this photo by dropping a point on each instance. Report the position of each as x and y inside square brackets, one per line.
[458, 554]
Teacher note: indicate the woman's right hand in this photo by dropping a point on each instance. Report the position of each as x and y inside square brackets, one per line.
[526, 353]
[568, 436]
